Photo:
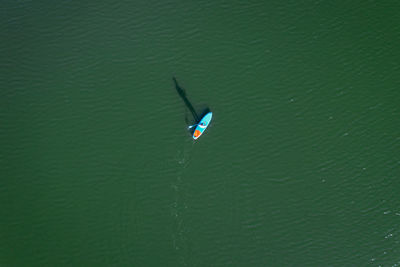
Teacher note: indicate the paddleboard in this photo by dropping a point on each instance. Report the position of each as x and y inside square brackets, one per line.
[202, 126]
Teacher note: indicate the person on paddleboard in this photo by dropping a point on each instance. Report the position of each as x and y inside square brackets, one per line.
[202, 125]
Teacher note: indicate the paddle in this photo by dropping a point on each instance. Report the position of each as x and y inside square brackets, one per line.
[201, 125]
[191, 126]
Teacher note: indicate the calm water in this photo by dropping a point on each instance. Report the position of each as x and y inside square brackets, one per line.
[300, 166]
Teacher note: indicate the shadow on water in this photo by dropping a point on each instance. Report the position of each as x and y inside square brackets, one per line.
[182, 94]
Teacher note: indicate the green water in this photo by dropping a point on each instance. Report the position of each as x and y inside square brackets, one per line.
[300, 166]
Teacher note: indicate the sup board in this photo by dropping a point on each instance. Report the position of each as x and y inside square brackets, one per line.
[202, 125]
